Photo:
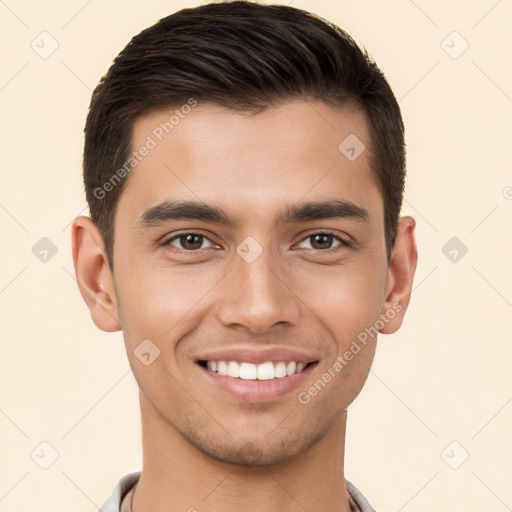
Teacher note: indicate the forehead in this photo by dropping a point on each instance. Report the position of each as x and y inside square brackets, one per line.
[299, 150]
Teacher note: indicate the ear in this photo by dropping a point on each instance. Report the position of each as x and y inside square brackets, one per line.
[402, 267]
[93, 275]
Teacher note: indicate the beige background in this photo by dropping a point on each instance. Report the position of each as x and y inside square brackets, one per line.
[444, 377]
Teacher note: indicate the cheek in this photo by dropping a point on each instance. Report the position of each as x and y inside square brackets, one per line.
[352, 308]
[348, 308]
[346, 299]
[159, 303]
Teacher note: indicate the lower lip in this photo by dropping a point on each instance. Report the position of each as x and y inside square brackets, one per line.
[257, 390]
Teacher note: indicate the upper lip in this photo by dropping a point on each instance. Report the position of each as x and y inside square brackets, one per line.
[257, 355]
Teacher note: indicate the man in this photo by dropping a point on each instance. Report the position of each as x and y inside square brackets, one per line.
[244, 167]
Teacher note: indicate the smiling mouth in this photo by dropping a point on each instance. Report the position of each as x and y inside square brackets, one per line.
[268, 370]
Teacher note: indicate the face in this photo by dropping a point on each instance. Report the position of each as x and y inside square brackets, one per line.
[288, 262]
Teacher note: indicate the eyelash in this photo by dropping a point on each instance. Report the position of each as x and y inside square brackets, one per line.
[343, 242]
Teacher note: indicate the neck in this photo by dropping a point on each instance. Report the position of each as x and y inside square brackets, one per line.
[177, 476]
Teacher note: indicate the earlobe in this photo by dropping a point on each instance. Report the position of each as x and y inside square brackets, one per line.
[93, 275]
[400, 276]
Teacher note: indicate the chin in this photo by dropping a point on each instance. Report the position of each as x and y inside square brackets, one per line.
[261, 452]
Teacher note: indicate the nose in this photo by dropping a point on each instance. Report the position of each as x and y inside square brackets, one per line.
[256, 297]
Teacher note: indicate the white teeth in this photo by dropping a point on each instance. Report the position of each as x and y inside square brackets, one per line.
[249, 371]
[290, 369]
[266, 371]
[233, 369]
[280, 370]
[222, 368]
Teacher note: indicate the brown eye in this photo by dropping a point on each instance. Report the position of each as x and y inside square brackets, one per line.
[321, 241]
[187, 241]
[324, 241]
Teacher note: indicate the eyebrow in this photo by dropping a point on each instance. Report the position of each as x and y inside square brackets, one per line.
[309, 211]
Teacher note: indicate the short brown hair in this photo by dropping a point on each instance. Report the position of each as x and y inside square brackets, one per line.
[246, 57]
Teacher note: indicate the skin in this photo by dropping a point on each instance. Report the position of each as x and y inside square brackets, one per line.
[202, 447]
